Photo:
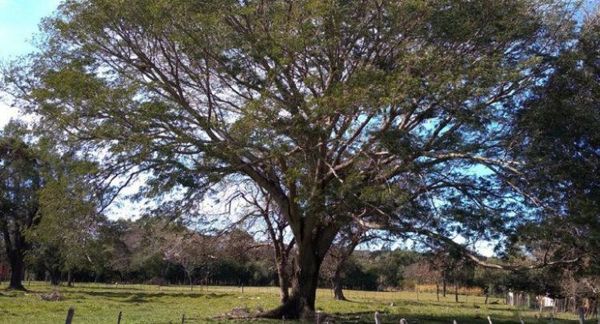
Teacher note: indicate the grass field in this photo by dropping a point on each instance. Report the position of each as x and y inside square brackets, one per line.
[95, 303]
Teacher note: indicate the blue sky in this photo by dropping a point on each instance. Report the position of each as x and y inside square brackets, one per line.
[19, 21]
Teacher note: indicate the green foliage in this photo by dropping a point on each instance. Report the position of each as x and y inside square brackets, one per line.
[68, 214]
[560, 144]
[387, 267]
[400, 95]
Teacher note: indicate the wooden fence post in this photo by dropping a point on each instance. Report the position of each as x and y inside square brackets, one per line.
[70, 314]
[119, 318]
[377, 318]
[182, 318]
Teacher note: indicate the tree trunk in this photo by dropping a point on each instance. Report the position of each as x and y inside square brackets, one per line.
[189, 274]
[581, 315]
[338, 293]
[301, 302]
[17, 270]
[437, 291]
[444, 285]
[456, 292]
[284, 282]
[69, 278]
[54, 278]
[15, 251]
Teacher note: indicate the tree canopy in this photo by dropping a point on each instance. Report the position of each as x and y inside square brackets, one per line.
[560, 146]
[394, 113]
[20, 180]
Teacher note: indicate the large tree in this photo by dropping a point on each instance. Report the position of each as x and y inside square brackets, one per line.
[560, 142]
[342, 111]
[20, 180]
[47, 207]
[558, 131]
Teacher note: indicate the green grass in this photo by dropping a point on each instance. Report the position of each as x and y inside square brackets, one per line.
[99, 303]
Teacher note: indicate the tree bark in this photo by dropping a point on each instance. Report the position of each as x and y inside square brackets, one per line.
[17, 270]
[284, 282]
[456, 292]
[444, 285]
[15, 246]
[338, 293]
[69, 278]
[54, 278]
[189, 275]
[301, 302]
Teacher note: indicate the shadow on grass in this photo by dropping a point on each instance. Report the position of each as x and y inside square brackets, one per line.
[368, 317]
[427, 303]
[404, 302]
[141, 297]
[14, 293]
[120, 287]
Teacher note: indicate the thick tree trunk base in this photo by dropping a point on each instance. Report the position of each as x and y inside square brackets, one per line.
[69, 279]
[340, 297]
[17, 273]
[18, 287]
[290, 310]
[284, 297]
[338, 293]
[301, 302]
[16, 282]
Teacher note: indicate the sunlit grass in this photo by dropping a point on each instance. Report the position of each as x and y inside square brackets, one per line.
[101, 303]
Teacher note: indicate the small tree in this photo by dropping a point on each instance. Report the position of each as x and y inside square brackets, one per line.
[68, 214]
[264, 210]
[192, 251]
[336, 260]
[421, 272]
